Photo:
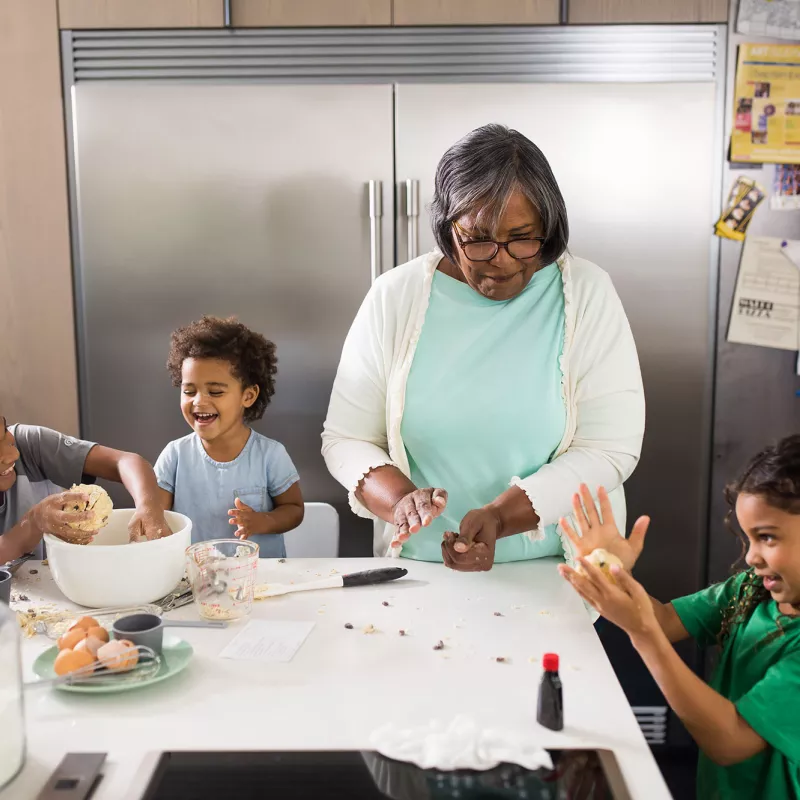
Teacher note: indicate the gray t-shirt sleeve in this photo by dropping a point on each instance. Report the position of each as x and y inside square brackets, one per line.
[49, 455]
[281, 471]
[166, 468]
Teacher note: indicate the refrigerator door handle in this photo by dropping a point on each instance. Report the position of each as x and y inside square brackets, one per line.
[412, 214]
[375, 221]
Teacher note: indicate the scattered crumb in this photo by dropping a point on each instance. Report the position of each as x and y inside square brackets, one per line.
[403, 632]
[349, 625]
[24, 598]
[369, 629]
[384, 603]
[545, 613]
[533, 660]
[34, 571]
[45, 563]
[574, 668]
[439, 645]
[501, 659]
[498, 614]
[334, 572]
[320, 611]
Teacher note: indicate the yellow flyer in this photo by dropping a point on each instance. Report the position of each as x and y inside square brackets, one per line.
[766, 123]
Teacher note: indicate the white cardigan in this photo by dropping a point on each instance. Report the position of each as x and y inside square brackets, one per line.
[601, 385]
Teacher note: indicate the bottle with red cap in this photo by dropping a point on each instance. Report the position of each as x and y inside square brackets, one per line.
[551, 705]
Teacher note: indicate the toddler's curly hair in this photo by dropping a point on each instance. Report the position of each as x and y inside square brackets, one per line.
[252, 357]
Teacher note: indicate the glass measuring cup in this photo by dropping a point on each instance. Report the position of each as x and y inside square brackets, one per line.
[222, 576]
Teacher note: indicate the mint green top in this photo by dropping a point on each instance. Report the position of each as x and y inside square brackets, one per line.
[484, 403]
[759, 672]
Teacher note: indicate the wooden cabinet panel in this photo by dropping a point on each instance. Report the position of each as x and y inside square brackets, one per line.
[140, 13]
[476, 12]
[583, 12]
[37, 344]
[289, 13]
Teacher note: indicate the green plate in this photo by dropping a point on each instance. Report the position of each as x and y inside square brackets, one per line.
[174, 659]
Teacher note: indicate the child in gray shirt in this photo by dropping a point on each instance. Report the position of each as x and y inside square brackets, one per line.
[37, 463]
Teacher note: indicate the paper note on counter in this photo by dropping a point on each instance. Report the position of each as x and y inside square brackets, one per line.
[270, 642]
[767, 296]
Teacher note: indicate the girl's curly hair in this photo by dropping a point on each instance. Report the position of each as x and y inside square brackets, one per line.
[252, 357]
[774, 475]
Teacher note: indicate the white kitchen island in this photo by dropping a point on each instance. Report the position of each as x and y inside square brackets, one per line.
[343, 684]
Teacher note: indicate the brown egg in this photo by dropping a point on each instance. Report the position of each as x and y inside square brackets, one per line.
[99, 632]
[85, 623]
[118, 654]
[68, 661]
[70, 639]
[91, 644]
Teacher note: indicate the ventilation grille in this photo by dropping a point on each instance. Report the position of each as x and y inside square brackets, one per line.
[653, 722]
[302, 55]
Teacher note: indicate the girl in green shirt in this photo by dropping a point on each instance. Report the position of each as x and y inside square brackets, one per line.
[747, 721]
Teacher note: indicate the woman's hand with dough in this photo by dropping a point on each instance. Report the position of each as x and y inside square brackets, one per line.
[415, 511]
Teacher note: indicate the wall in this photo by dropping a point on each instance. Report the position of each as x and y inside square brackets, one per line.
[37, 346]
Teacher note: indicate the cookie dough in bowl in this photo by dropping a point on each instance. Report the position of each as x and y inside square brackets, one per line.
[99, 506]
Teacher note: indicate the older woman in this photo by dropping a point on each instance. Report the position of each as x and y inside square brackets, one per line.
[481, 383]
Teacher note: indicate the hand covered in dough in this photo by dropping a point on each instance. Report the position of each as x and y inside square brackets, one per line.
[49, 516]
[472, 548]
[148, 523]
[416, 511]
[625, 602]
[600, 532]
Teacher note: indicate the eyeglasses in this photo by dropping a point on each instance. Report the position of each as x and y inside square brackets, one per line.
[487, 249]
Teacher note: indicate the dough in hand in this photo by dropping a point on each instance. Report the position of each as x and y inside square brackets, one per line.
[603, 560]
[99, 506]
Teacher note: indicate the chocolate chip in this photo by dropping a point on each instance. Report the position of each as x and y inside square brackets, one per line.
[34, 572]
[384, 603]
[439, 645]
[498, 614]
[402, 632]
[501, 659]
[349, 625]
[281, 560]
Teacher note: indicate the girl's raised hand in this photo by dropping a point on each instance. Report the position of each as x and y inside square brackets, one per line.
[600, 530]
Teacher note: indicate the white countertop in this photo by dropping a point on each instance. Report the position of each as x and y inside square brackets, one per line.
[343, 684]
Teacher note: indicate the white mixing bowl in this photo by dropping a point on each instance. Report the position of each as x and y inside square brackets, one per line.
[113, 572]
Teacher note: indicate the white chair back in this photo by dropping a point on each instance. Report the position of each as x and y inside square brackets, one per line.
[318, 534]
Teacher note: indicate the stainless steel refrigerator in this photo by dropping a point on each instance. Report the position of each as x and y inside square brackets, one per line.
[273, 174]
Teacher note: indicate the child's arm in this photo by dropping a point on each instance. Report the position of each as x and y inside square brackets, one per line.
[712, 719]
[46, 516]
[166, 499]
[287, 514]
[137, 476]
